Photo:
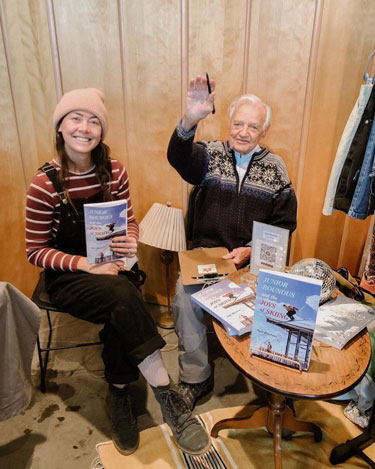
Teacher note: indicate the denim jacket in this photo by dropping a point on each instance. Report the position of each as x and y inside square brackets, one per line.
[360, 206]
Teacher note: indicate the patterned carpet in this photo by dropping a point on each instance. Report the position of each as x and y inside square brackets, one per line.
[240, 449]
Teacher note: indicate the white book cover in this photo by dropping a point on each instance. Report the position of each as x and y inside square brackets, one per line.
[231, 304]
[103, 222]
[340, 319]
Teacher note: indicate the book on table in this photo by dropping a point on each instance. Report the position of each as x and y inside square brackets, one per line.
[285, 314]
[103, 222]
[229, 303]
[340, 319]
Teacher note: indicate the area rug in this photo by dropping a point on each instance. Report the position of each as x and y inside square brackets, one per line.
[240, 449]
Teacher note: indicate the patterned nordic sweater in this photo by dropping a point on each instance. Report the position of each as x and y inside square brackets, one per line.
[224, 210]
[43, 210]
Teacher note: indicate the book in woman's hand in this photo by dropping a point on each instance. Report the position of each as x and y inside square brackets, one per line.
[103, 222]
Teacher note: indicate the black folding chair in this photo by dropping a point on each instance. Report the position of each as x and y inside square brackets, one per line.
[41, 298]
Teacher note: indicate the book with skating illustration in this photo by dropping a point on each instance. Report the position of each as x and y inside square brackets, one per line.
[285, 314]
[229, 303]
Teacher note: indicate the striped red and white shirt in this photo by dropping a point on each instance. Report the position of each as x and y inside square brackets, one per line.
[43, 213]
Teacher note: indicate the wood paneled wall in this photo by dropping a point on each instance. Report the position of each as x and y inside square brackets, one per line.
[300, 56]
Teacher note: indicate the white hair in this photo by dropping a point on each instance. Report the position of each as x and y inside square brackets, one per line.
[251, 98]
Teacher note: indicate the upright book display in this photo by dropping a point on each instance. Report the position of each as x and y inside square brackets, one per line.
[103, 222]
[284, 319]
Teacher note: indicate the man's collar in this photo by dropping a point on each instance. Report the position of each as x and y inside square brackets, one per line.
[229, 149]
[254, 151]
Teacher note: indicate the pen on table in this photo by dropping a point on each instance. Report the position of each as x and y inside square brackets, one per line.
[209, 91]
[209, 276]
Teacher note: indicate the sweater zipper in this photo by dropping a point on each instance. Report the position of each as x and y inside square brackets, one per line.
[239, 186]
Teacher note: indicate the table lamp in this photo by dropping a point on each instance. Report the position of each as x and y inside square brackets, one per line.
[163, 227]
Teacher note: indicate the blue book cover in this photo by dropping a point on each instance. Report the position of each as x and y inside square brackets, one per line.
[285, 314]
[104, 221]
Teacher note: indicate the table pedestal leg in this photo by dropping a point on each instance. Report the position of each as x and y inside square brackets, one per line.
[274, 417]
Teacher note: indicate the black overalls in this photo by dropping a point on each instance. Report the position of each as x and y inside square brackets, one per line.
[129, 334]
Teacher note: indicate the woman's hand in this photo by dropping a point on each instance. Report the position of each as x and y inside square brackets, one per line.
[109, 268]
[125, 246]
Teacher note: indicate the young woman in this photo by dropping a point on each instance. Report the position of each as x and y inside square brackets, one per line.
[83, 172]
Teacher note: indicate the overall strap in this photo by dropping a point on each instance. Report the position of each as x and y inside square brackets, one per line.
[52, 174]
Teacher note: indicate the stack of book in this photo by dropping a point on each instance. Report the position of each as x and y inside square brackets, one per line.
[229, 303]
[284, 316]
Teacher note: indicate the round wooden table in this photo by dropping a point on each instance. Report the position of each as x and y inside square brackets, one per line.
[332, 372]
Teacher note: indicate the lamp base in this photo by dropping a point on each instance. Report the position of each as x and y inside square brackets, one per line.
[165, 320]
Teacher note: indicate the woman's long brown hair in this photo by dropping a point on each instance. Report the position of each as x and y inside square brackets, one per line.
[100, 157]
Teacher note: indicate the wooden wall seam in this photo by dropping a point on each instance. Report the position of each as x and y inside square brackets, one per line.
[184, 21]
[344, 238]
[309, 94]
[121, 20]
[54, 48]
[311, 72]
[11, 85]
[245, 70]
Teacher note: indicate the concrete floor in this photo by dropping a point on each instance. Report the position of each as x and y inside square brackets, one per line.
[60, 428]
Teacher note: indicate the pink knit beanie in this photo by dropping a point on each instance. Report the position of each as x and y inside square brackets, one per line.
[85, 99]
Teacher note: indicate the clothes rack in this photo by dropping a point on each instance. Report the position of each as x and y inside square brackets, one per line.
[355, 446]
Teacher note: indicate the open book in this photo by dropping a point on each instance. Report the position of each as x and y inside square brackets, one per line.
[103, 222]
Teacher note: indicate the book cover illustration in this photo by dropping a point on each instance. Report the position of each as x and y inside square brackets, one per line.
[104, 221]
[231, 304]
[340, 319]
[284, 319]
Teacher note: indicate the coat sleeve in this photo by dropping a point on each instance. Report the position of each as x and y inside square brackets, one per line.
[189, 159]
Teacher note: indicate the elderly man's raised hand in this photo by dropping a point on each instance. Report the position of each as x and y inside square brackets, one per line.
[199, 103]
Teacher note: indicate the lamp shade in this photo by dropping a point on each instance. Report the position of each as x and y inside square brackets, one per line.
[163, 227]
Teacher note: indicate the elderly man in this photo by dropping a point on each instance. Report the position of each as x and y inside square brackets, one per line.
[239, 182]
